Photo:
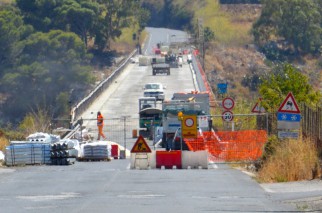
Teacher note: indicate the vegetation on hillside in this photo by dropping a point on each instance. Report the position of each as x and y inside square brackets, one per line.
[49, 47]
[283, 79]
[288, 27]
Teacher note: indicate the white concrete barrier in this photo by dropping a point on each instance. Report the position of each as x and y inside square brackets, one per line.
[143, 160]
[190, 160]
[194, 160]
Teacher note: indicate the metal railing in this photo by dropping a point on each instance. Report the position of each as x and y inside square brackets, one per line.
[97, 91]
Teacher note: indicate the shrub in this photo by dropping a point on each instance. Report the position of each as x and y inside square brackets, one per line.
[290, 160]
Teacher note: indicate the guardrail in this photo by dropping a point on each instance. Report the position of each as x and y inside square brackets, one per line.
[202, 79]
[97, 91]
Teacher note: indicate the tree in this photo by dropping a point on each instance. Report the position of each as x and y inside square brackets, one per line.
[12, 30]
[114, 15]
[143, 17]
[38, 13]
[78, 16]
[50, 64]
[209, 36]
[297, 22]
[284, 79]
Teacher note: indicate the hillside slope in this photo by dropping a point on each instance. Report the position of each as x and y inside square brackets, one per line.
[238, 58]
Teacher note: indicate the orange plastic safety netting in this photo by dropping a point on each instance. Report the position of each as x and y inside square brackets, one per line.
[231, 146]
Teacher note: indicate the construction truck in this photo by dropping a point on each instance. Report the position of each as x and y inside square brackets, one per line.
[159, 65]
[149, 115]
[189, 104]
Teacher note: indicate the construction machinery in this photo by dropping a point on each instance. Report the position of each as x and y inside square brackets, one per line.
[149, 115]
[189, 104]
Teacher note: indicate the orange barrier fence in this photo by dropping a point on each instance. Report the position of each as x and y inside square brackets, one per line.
[231, 146]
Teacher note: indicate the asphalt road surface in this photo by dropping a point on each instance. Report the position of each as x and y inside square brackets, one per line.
[114, 187]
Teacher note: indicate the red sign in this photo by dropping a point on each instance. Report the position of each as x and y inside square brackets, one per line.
[227, 116]
[140, 146]
[289, 105]
[258, 108]
[228, 103]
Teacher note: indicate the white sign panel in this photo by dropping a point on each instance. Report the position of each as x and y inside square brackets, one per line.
[288, 134]
[203, 121]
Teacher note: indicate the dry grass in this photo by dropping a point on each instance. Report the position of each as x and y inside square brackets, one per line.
[3, 143]
[231, 25]
[293, 160]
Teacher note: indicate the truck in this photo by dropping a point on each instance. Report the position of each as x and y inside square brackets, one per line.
[159, 65]
[189, 104]
[149, 115]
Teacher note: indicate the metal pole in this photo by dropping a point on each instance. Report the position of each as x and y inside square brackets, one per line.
[124, 122]
[181, 137]
[267, 123]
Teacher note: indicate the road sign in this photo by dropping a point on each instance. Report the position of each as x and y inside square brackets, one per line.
[140, 146]
[288, 117]
[289, 105]
[288, 120]
[228, 103]
[227, 116]
[258, 108]
[288, 134]
[222, 88]
[189, 126]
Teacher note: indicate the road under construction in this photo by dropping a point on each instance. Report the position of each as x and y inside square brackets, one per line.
[118, 102]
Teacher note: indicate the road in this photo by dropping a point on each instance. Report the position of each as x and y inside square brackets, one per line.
[114, 187]
[121, 99]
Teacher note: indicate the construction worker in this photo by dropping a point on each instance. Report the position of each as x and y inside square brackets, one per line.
[100, 123]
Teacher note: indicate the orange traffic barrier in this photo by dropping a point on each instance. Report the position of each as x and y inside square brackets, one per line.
[231, 146]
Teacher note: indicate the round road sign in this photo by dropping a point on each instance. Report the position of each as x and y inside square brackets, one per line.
[228, 103]
[189, 122]
[227, 116]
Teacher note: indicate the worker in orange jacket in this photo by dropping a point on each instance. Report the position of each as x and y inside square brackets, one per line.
[100, 123]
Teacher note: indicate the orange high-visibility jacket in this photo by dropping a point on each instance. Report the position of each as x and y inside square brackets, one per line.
[100, 120]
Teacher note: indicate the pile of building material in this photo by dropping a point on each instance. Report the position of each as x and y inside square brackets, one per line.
[42, 148]
[95, 151]
[43, 138]
[64, 152]
[26, 153]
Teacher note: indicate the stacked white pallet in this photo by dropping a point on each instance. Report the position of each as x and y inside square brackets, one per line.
[26, 153]
[95, 151]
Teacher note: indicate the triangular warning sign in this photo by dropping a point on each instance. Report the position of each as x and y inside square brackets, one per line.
[140, 146]
[289, 105]
[257, 108]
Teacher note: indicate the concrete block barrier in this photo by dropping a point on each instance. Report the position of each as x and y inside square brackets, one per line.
[194, 160]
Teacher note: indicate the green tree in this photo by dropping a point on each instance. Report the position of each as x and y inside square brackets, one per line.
[298, 22]
[78, 16]
[170, 14]
[143, 17]
[114, 16]
[284, 79]
[12, 30]
[38, 13]
[50, 64]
